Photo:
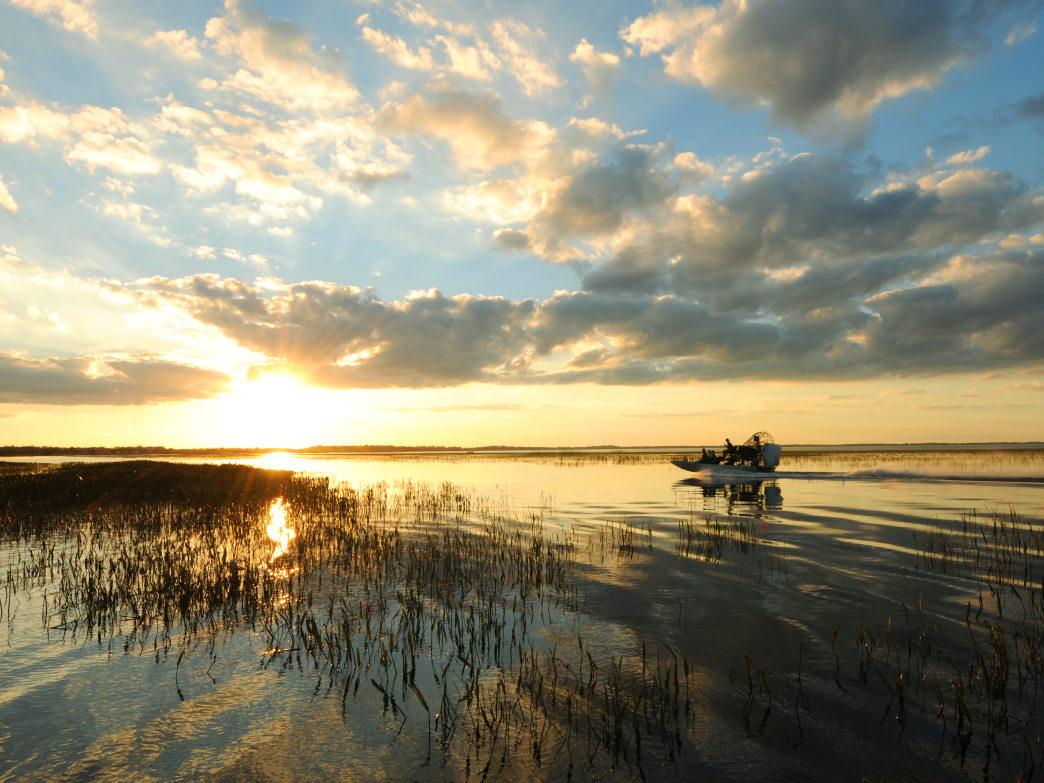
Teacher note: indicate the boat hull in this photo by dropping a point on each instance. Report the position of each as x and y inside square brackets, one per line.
[720, 471]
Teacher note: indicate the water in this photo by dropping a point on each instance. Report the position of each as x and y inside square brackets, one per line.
[831, 547]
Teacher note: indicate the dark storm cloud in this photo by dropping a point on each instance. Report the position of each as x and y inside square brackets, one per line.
[85, 381]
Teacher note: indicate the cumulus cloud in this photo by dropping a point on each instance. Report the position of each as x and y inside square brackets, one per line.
[31, 123]
[177, 42]
[467, 50]
[967, 157]
[808, 60]
[93, 137]
[499, 200]
[900, 314]
[518, 43]
[76, 16]
[344, 336]
[474, 61]
[511, 239]
[278, 63]
[107, 139]
[692, 166]
[93, 381]
[597, 128]
[474, 125]
[397, 50]
[597, 199]
[421, 16]
[7, 201]
[281, 168]
[600, 68]
[815, 209]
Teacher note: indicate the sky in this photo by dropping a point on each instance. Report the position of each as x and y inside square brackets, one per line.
[286, 224]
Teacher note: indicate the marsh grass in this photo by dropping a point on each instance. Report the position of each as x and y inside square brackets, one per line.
[449, 610]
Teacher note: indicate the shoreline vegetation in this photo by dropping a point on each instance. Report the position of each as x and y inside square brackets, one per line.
[349, 450]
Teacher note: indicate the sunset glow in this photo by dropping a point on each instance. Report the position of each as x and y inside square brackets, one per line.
[283, 224]
[274, 410]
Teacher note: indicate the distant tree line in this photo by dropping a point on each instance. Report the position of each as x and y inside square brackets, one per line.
[127, 451]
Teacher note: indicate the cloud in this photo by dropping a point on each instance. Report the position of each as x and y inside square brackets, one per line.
[7, 201]
[177, 42]
[108, 140]
[31, 123]
[987, 316]
[810, 61]
[76, 16]
[47, 312]
[397, 50]
[599, 128]
[912, 313]
[1031, 107]
[517, 44]
[499, 200]
[143, 217]
[344, 336]
[600, 68]
[868, 320]
[968, 157]
[810, 209]
[280, 167]
[597, 200]
[278, 64]
[91, 381]
[694, 168]
[1021, 32]
[511, 239]
[474, 125]
[94, 137]
[474, 62]
[420, 16]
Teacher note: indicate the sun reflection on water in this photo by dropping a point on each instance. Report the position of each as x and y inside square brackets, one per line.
[280, 533]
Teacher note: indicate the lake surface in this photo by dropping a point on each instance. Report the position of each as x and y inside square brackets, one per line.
[837, 622]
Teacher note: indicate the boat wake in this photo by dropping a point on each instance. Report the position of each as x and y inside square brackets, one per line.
[883, 474]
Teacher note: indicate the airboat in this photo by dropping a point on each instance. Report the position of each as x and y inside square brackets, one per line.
[758, 454]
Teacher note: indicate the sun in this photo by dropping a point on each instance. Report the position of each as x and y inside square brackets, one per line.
[276, 410]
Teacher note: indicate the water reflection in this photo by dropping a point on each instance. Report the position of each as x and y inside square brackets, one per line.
[748, 497]
[280, 533]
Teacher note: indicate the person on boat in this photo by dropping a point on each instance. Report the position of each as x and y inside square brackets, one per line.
[729, 452]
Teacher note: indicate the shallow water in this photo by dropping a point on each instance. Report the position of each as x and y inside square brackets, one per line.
[832, 548]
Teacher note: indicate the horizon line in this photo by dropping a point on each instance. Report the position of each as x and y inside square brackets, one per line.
[34, 450]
